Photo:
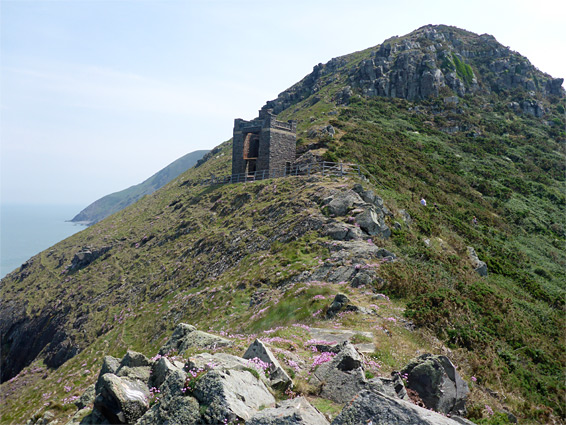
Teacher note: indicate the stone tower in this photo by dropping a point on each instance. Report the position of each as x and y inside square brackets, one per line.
[263, 144]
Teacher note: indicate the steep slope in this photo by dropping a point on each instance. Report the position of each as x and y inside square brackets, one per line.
[471, 140]
[117, 201]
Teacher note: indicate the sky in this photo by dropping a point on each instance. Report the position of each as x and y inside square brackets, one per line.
[98, 95]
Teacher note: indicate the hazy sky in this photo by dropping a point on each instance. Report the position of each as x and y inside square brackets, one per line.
[96, 96]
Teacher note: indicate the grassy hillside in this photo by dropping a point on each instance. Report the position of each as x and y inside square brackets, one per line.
[238, 259]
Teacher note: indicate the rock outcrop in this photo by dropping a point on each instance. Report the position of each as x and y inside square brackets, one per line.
[479, 266]
[223, 388]
[375, 408]
[438, 383]
[187, 336]
[277, 375]
[432, 61]
[297, 411]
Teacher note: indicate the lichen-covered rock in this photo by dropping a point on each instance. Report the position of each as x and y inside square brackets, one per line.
[375, 408]
[141, 373]
[159, 372]
[438, 383]
[134, 359]
[392, 387]
[372, 222]
[342, 231]
[186, 336]
[109, 365]
[297, 411]
[222, 361]
[342, 202]
[172, 404]
[278, 377]
[342, 377]
[232, 395]
[121, 400]
[87, 398]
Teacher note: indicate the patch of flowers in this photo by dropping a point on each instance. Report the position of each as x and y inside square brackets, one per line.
[259, 365]
[192, 379]
[154, 395]
[69, 400]
[323, 357]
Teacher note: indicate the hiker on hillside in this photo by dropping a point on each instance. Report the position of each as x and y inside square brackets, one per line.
[475, 221]
[423, 202]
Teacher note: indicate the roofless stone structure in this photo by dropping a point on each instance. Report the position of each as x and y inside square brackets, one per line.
[263, 144]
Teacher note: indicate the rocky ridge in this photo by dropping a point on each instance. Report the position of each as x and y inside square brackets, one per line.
[432, 61]
[223, 388]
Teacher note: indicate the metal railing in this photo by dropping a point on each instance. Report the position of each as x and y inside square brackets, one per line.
[325, 168]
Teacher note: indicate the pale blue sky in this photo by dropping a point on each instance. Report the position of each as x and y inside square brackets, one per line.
[96, 96]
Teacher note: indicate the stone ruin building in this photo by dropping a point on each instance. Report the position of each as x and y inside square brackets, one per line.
[263, 145]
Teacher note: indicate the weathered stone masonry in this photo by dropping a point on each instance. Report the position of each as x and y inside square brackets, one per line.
[263, 144]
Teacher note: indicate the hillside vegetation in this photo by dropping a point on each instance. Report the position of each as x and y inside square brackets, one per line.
[487, 140]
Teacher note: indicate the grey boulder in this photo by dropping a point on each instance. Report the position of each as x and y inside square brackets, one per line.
[231, 395]
[438, 383]
[297, 411]
[372, 407]
[187, 336]
[342, 202]
[172, 405]
[372, 222]
[277, 375]
[121, 400]
[343, 377]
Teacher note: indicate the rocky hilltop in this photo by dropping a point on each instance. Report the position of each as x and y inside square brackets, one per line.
[474, 274]
[435, 60]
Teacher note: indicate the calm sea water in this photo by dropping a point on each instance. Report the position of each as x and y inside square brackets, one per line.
[26, 230]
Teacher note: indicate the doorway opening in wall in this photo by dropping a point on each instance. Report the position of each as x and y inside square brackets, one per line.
[251, 146]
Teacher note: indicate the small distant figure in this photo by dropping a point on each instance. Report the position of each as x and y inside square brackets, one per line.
[475, 221]
[436, 207]
[423, 202]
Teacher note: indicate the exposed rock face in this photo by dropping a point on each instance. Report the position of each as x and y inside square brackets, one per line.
[372, 222]
[479, 266]
[297, 411]
[426, 63]
[340, 204]
[86, 256]
[24, 336]
[438, 383]
[372, 407]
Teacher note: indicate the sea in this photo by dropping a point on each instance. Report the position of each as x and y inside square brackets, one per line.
[26, 230]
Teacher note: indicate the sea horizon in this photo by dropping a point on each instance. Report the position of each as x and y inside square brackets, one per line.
[26, 229]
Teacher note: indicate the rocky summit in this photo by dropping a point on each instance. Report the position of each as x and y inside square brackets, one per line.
[416, 277]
